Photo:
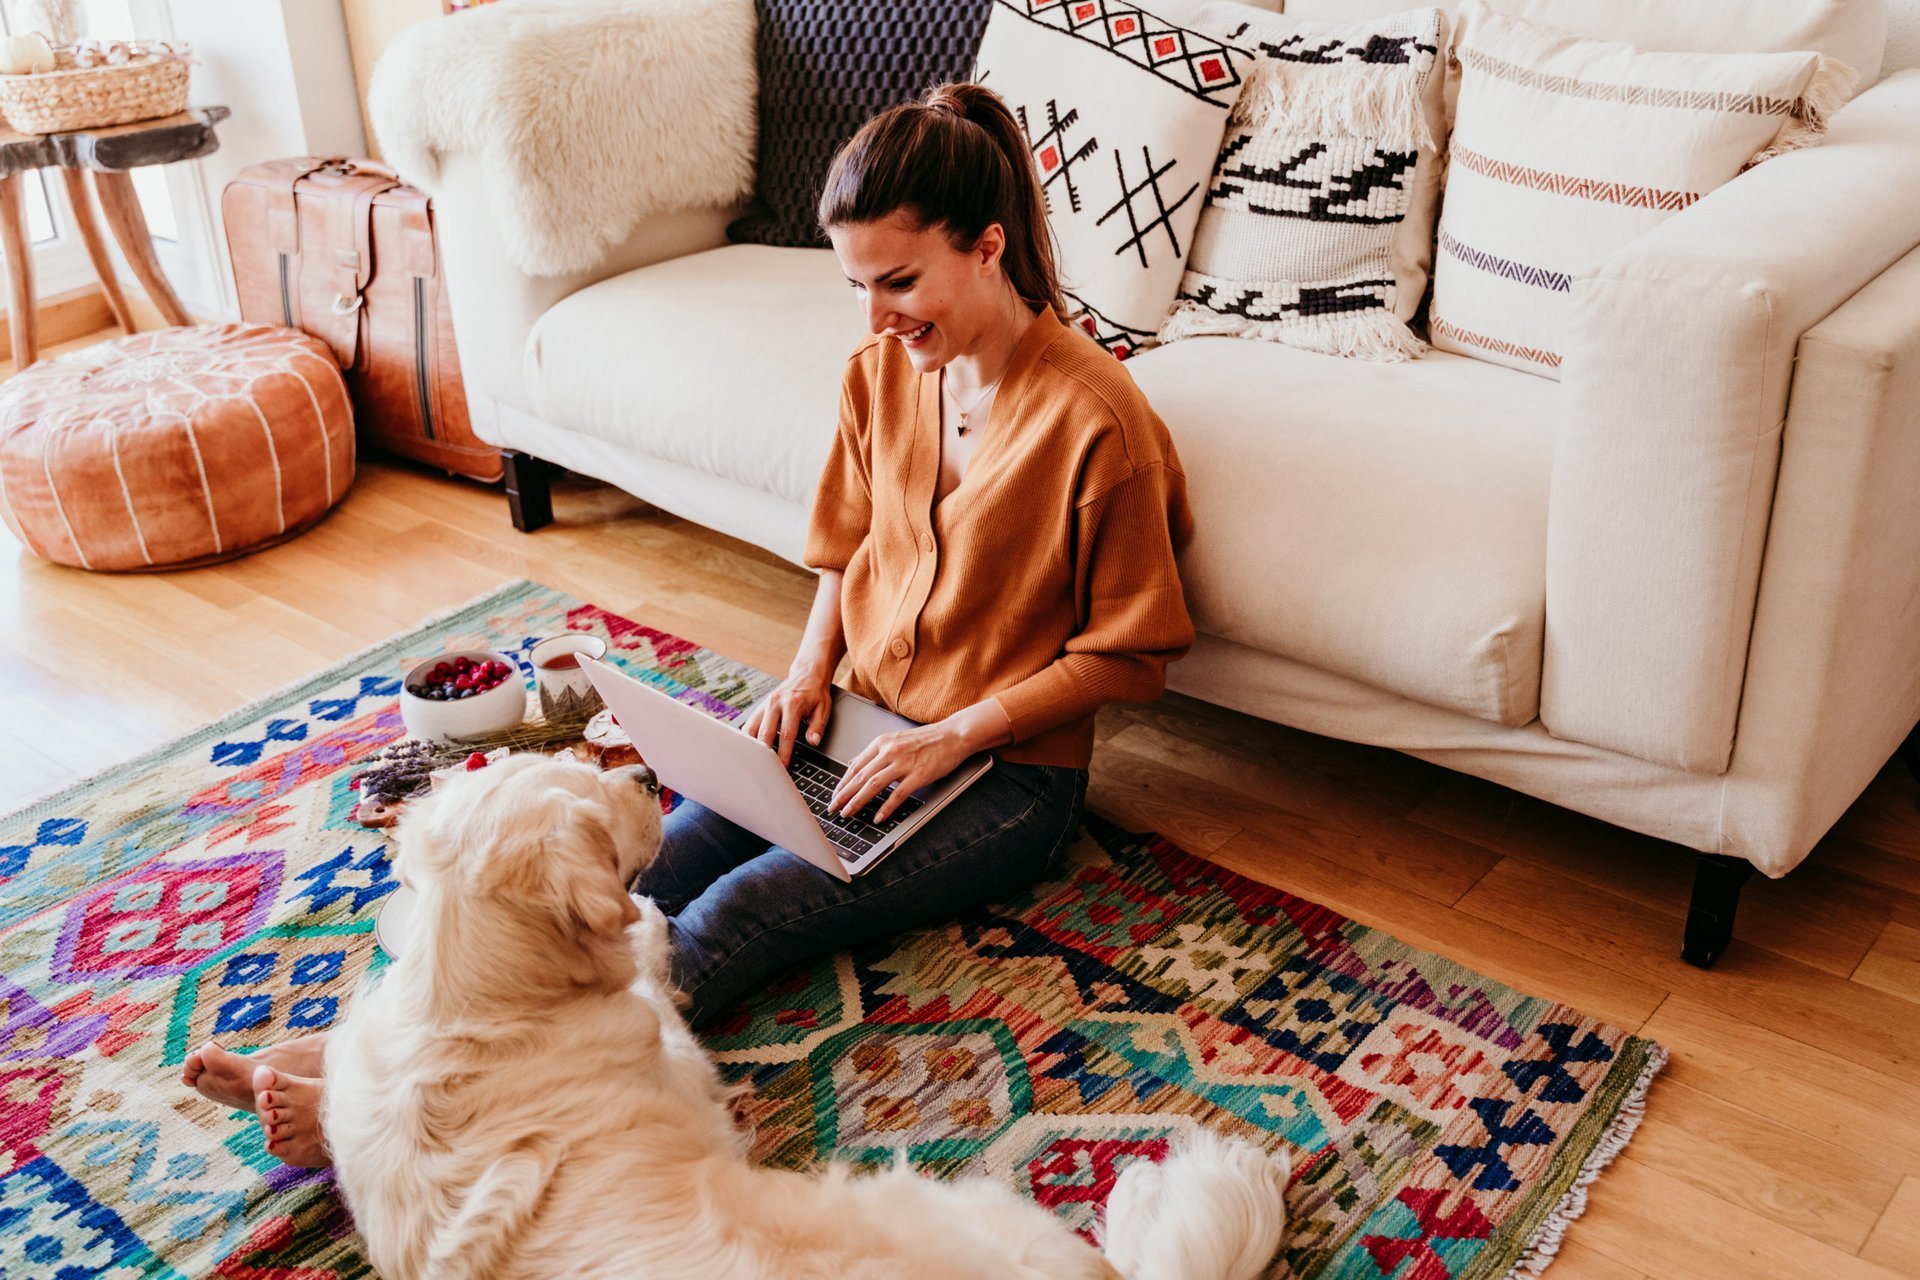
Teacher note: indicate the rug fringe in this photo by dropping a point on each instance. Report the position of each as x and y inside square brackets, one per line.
[259, 706]
[1546, 1241]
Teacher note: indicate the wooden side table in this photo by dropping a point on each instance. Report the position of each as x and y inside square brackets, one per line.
[108, 154]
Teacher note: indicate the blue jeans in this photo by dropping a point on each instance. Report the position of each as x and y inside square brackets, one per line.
[740, 910]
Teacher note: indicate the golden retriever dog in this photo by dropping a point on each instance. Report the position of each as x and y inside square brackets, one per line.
[521, 1097]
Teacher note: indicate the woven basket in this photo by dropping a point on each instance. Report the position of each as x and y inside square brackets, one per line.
[72, 97]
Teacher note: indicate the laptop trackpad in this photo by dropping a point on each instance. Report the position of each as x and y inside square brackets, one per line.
[855, 723]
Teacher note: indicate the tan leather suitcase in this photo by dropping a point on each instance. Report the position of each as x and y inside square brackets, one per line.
[344, 250]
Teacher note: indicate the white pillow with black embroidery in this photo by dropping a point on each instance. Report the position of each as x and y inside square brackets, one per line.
[1318, 228]
[1125, 113]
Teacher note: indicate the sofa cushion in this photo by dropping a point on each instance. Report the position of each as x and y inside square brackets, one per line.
[1854, 31]
[727, 362]
[826, 67]
[1318, 227]
[1124, 111]
[1564, 149]
[1384, 521]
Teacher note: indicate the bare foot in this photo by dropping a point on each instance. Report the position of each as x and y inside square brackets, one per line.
[225, 1077]
[289, 1111]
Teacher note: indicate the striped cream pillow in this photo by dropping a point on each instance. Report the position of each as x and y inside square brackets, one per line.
[1564, 149]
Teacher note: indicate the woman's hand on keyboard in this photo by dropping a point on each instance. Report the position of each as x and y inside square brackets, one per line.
[908, 759]
[801, 702]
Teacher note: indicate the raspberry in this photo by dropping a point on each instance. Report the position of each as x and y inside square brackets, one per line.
[478, 760]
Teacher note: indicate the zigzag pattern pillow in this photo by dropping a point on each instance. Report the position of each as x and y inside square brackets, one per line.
[1565, 149]
[1124, 112]
[1319, 217]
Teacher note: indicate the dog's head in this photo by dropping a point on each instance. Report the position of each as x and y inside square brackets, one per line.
[528, 859]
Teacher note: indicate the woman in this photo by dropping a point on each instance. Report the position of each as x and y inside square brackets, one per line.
[995, 535]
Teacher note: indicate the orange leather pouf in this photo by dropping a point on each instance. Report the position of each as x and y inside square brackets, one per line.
[174, 448]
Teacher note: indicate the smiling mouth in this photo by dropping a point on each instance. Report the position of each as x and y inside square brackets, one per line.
[916, 334]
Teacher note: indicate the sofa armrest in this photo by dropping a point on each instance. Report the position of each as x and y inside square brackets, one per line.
[1833, 674]
[1679, 360]
[495, 303]
[587, 115]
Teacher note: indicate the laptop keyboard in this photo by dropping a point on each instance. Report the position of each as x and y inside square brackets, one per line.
[854, 835]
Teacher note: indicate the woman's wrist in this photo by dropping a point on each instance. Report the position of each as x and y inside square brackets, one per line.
[980, 727]
[813, 666]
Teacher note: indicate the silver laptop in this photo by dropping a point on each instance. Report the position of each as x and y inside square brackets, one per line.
[740, 778]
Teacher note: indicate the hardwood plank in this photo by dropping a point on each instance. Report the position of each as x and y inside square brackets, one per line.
[1782, 994]
[1819, 1189]
[1579, 1261]
[84, 724]
[1895, 1243]
[1810, 1089]
[1383, 779]
[1894, 876]
[1883, 816]
[1894, 963]
[1648, 1219]
[1814, 916]
[1317, 815]
[29, 771]
[1143, 797]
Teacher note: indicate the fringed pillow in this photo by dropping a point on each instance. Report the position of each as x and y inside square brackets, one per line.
[1318, 228]
[1124, 112]
[1564, 149]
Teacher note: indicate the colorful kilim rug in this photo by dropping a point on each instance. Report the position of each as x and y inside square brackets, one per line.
[1441, 1125]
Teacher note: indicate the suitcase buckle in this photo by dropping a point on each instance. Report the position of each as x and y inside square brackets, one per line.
[341, 305]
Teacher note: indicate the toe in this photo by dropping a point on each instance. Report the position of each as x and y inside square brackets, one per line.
[264, 1081]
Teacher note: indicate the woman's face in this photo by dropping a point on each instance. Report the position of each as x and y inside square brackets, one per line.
[917, 289]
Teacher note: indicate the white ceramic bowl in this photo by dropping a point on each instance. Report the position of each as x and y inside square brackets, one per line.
[501, 707]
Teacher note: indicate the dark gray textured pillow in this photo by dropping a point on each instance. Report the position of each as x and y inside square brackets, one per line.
[826, 67]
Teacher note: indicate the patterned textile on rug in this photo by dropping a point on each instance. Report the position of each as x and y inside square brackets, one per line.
[1441, 1125]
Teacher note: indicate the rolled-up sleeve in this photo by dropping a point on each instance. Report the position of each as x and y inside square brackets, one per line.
[843, 503]
[1133, 614]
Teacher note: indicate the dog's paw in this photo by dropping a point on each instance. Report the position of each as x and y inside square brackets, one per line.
[652, 946]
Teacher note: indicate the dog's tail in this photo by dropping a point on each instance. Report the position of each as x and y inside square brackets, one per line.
[497, 1209]
[1214, 1210]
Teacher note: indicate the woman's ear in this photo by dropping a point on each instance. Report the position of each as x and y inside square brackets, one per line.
[991, 247]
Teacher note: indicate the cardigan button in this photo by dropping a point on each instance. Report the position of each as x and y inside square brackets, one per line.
[899, 648]
[926, 542]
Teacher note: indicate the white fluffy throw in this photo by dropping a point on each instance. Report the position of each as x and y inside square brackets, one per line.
[587, 115]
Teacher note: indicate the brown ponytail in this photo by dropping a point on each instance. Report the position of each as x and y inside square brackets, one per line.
[956, 159]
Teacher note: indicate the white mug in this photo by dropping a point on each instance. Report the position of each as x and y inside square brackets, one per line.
[565, 691]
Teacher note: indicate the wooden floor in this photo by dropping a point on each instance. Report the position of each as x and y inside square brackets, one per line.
[1783, 1140]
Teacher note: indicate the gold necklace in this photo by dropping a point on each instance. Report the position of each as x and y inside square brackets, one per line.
[962, 428]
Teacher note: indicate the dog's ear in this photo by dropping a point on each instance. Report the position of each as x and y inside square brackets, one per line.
[583, 867]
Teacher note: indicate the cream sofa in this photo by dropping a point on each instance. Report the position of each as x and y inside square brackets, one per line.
[1678, 590]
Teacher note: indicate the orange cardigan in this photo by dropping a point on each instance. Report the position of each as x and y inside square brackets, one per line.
[1046, 579]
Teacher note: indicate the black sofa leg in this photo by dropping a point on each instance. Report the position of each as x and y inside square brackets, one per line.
[529, 485]
[1716, 893]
